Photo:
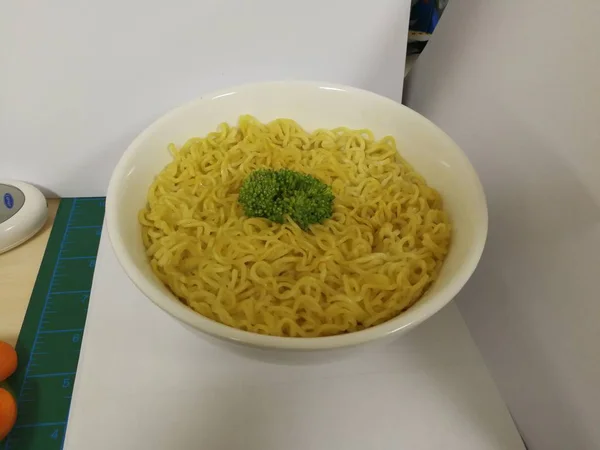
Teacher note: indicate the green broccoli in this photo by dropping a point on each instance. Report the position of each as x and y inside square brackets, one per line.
[275, 194]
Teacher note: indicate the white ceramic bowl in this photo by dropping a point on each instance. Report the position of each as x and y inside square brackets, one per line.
[312, 105]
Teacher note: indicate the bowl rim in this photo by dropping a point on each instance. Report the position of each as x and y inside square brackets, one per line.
[404, 321]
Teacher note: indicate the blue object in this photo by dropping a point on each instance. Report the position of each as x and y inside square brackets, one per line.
[9, 201]
[425, 15]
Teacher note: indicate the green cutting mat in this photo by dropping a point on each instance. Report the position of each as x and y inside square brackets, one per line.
[50, 338]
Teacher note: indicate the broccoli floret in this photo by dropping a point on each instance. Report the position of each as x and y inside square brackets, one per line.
[276, 194]
[259, 195]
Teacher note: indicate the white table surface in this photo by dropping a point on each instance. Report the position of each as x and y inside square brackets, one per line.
[145, 382]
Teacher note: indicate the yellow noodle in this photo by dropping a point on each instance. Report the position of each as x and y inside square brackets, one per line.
[376, 256]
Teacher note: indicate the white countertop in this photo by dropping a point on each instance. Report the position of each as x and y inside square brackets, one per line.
[145, 382]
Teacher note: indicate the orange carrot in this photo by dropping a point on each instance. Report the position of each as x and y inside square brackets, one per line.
[8, 412]
[8, 360]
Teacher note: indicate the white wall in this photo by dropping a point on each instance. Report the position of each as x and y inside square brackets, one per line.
[517, 85]
[79, 80]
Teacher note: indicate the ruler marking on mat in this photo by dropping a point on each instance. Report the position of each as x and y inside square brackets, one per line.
[78, 257]
[50, 339]
[37, 334]
[60, 331]
[56, 374]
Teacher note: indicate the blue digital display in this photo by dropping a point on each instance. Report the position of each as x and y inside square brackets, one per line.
[9, 201]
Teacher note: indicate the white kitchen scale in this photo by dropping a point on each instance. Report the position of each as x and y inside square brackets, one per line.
[23, 211]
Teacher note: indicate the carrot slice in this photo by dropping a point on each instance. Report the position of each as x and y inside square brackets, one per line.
[8, 360]
[8, 412]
